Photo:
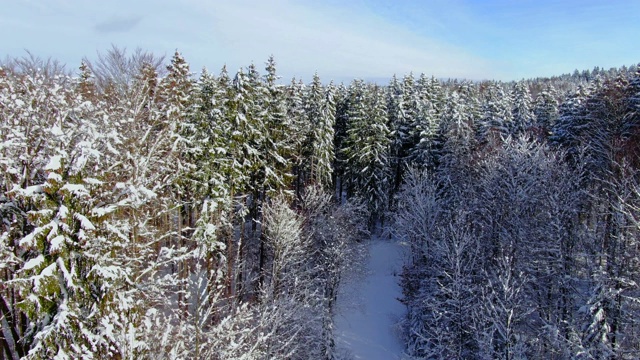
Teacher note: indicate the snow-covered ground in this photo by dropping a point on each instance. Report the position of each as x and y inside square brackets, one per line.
[368, 310]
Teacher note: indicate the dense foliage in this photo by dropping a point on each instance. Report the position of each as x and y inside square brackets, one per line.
[147, 213]
[524, 237]
[157, 216]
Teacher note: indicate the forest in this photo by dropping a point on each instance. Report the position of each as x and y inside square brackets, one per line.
[149, 212]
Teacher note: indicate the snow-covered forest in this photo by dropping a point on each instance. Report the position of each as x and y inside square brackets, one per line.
[149, 212]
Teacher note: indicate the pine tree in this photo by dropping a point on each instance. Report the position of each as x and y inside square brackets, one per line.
[366, 148]
[86, 86]
[545, 111]
[428, 121]
[294, 102]
[320, 111]
[404, 107]
[496, 121]
[394, 113]
[457, 129]
[279, 145]
[339, 138]
[522, 110]
[323, 135]
[70, 267]
[243, 133]
[206, 148]
[571, 113]
[356, 121]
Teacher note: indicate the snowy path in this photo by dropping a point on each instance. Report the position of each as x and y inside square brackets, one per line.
[367, 308]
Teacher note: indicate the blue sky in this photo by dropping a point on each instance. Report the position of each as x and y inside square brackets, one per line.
[371, 39]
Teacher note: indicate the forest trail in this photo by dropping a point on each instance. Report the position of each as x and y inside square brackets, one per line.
[368, 310]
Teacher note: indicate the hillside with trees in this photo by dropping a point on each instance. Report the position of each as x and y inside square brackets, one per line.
[149, 212]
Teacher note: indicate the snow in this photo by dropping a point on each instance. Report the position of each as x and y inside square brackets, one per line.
[31, 190]
[102, 211]
[92, 181]
[28, 240]
[56, 243]
[33, 262]
[54, 163]
[76, 189]
[57, 131]
[84, 222]
[54, 177]
[368, 310]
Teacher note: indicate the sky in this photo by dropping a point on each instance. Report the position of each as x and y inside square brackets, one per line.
[339, 39]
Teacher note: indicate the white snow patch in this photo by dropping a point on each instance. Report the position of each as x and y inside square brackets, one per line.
[68, 277]
[368, 310]
[92, 181]
[107, 272]
[56, 243]
[29, 239]
[31, 190]
[63, 212]
[47, 272]
[148, 193]
[55, 163]
[84, 222]
[54, 177]
[101, 211]
[33, 262]
[76, 189]
[57, 131]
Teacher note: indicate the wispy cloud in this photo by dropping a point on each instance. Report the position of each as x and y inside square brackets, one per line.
[340, 42]
[118, 24]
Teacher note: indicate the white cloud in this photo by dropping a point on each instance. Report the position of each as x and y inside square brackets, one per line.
[336, 42]
[340, 41]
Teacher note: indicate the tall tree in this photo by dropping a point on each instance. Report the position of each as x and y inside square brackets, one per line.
[432, 99]
[320, 110]
[522, 109]
[545, 110]
[367, 148]
[496, 121]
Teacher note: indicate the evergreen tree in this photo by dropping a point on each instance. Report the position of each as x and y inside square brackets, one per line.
[367, 148]
[320, 112]
[496, 121]
[294, 102]
[86, 86]
[571, 113]
[206, 147]
[457, 129]
[394, 113]
[243, 133]
[432, 101]
[545, 111]
[343, 104]
[356, 121]
[279, 145]
[522, 110]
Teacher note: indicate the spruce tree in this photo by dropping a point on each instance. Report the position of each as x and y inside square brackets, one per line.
[522, 109]
[545, 110]
[320, 113]
[497, 121]
[428, 121]
[367, 148]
